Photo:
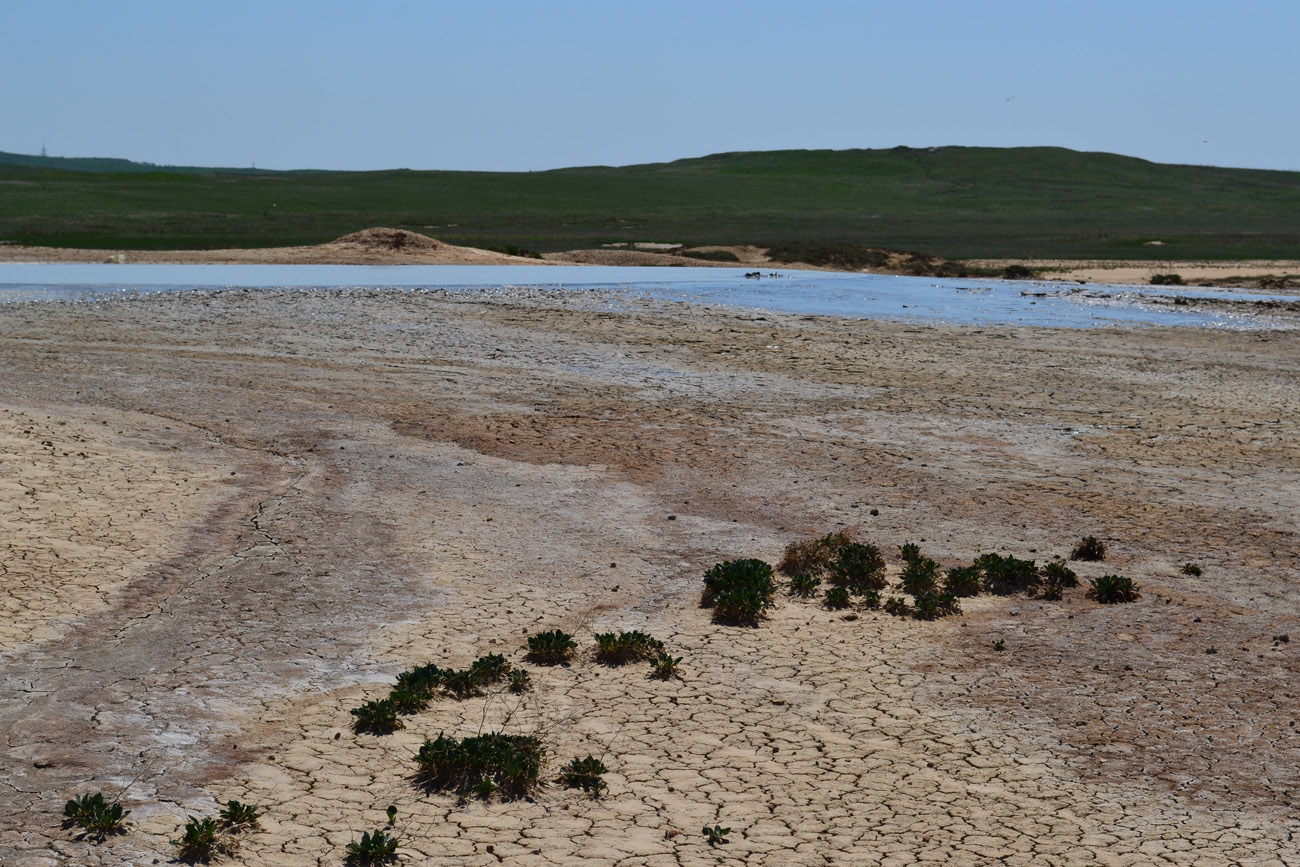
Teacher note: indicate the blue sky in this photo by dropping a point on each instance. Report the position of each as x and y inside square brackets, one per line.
[517, 86]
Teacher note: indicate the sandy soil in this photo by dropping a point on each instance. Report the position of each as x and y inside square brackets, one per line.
[231, 517]
[1273, 274]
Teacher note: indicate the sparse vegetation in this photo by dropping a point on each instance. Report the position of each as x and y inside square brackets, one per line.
[738, 591]
[909, 551]
[552, 647]
[586, 774]
[858, 565]
[1166, 280]
[1191, 569]
[897, 606]
[716, 836]
[837, 598]
[805, 586]
[237, 817]
[519, 681]
[933, 605]
[920, 577]
[511, 764]
[97, 817]
[409, 702]
[1089, 548]
[812, 556]
[999, 644]
[1017, 272]
[1006, 575]
[664, 666]
[374, 847]
[1113, 589]
[201, 840]
[1057, 572]
[377, 717]
[963, 581]
[623, 647]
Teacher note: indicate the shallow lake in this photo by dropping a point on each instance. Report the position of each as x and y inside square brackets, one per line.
[863, 296]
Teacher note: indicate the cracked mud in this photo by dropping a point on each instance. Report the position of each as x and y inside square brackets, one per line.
[230, 517]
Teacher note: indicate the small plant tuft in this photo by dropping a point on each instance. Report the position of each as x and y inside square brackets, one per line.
[97, 817]
[920, 577]
[551, 648]
[738, 591]
[909, 551]
[519, 681]
[408, 701]
[492, 668]
[1007, 575]
[1057, 572]
[812, 556]
[897, 606]
[716, 836]
[1166, 280]
[374, 847]
[837, 598]
[236, 817]
[663, 666]
[511, 763]
[585, 774]
[1113, 589]
[933, 605]
[1089, 548]
[623, 647]
[377, 717]
[999, 644]
[1192, 569]
[202, 840]
[858, 565]
[805, 586]
[963, 581]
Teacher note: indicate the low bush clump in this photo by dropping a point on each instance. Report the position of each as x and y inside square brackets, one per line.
[374, 847]
[97, 817]
[1166, 280]
[201, 840]
[237, 817]
[963, 581]
[909, 551]
[1050, 591]
[812, 556]
[712, 255]
[482, 764]
[585, 774]
[920, 576]
[738, 591]
[897, 606]
[1007, 575]
[1113, 589]
[871, 599]
[804, 586]
[837, 598]
[1017, 272]
[519, 681]
[858, 565]
[1089, 548]
[492, 668]
[422, 679]
[623, 647]
[551, 648]
[933, 605]
[663, 666]
[378, 717]
[408, 701]
[1057, 572]
[1192, 569]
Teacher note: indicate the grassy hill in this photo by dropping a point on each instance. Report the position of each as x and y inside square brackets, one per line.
[953, 201]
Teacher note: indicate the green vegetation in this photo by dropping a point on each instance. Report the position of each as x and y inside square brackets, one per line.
[585, 774]
[837, 598]
[97, 817]
[716, 836]
[1089, 548]
[239, 817]
[1113, 589]
[858, 566]
[201, 840]
[374, 847]
[664, 666]
[378, 717]
[623, 647]
[805, 586]
[552, 647]
[481, 765]
[519, 681]
[1007, 575]
[963, 581]
[738, 591]
[712, 255]
[1191, 569]
[953, 202]
[1166, 280]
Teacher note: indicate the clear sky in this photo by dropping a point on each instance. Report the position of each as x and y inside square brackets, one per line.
[513, 85]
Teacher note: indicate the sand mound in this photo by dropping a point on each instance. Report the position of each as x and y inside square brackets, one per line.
[380, 238]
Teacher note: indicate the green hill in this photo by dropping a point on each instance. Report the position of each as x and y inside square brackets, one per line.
[952, 201]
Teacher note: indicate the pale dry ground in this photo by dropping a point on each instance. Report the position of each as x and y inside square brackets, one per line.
[425, 478]
[1140, 273]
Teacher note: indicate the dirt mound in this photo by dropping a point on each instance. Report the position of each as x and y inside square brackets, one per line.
[380, 238]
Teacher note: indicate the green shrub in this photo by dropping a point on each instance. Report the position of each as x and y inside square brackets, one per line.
[237, 817]
[201, 840]
[376, 717]
[1057, 572]
[519, 681]
[1007, 575]
[909, 551]
[897, 606]
[739, 591]
[1017, 272]
[422, 679]
[858, 565]
[1089, 548]
[408, 702]
[804, 585]
[812, 556]
[624, 647]
[585, 774]
[511, 763]
[920, 576]
[1166, 280]
[663, 665]
[492, 668]
[551, 648]
[871, 599]
[1192, 569]
[1113, 589]
[999, 644]
[97, 817]
[374, 847]
[837, 598]
[963, 581]
[463, 683]
[716, 836]
[1050, 591]
[933, 605]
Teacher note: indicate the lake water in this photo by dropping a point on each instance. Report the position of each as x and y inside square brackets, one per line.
[862, 296]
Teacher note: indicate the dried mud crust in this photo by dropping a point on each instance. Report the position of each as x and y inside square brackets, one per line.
[426, 478]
